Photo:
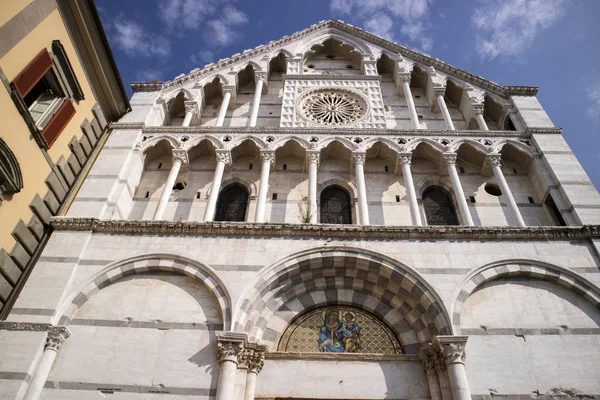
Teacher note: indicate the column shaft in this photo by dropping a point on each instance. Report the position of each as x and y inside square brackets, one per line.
[363, 205]
[226, 382]
[256, 102]
[414, 117]
[458, 381]
[250, 385]
[223, 109]
[512, 204]
[445, 112]
[209, 214]
[412, 196]
[188, 118]
[460, 195]
[444, 384]
[262, 190]
[34, 391]
[167, 189]
[312, 186]
[481, 122]
[434, 386]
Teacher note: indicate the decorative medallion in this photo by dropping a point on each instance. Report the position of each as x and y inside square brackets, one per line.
[332, 107]
[339, 329]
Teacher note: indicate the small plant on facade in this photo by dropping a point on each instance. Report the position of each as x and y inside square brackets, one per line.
[305, 211]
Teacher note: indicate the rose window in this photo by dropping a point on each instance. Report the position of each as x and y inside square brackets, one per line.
[332, 107]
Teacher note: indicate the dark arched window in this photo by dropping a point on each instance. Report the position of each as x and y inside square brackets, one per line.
[232, 203]
[11, 180]
[335, 206]
[438, 207]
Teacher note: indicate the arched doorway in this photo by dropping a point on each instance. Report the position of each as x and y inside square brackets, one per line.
[335, 206]
[438, 207]
[232, 203]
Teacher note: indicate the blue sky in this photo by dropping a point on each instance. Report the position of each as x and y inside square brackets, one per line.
[552, 44]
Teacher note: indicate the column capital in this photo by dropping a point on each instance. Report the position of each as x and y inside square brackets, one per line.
[223, 156]
[452, 348]
[313, 156]
[231, 89]
[439, 91]
[493, 160]
[253, 357]
[191, 106]
[181, 156]
[428, 356]
[477, 108]
[260, 76]
[56, 336]
[449, 158]
[404, 158]
[359, 157]
[268, 155]
[403, 77]
[230, 346]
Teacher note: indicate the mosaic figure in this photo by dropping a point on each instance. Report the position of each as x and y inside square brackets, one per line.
[337, 336]
[351, 332]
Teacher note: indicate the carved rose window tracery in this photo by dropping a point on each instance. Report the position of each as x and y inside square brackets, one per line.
[332, 107]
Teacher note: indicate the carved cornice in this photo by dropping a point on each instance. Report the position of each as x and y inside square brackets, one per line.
[266, 49]
[56, 335]
[324, 131]
[532, 131]
[125, 125]
[318, 230]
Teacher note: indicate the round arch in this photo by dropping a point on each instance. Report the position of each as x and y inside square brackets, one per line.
[144, 264]
[187, 95]
[279, 143]
[342, 275]
[250, 186]
[345, 142]
[257, 141]
[199, 139]
[172, 141]
[521, 268]
[480, 147]
[520, 146]
[285, 52]
[434, 144]
[208, 80]
[367, 144]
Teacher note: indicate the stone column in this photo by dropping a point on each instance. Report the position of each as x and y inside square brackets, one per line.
[255, 361]
[495, 161]
[404, 160]
[442, 372]
[439, 94]
[412, 110]
[179, 158]
[453, 349]
[428, 357]
[223, 159]
[230, 347]
[227, 93]
[56, 336]
[268, 159]
[363, 205]
[450, 161]
[478, 111]
[313, 165]
[191, 109]
[260, 78]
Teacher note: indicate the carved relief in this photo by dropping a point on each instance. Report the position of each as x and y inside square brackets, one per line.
[56, 337]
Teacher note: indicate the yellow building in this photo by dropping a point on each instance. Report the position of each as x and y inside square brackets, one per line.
[61, 88]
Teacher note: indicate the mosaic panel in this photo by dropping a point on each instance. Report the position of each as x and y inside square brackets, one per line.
[339, 329]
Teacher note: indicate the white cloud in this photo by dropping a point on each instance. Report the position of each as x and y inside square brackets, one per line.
[221, 31]
[593, 109]
[378, 16]
[134, 40]
[508, 27]
[148, 74]
[187, 13]
[202, 57]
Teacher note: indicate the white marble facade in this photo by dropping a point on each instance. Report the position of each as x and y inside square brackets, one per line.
[151, 288]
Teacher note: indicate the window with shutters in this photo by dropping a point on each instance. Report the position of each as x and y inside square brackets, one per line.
[44, 93]
[438, 207]
[232, 203]
[335, 206]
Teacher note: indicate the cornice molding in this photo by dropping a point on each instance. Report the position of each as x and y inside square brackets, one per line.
[321, 131]
[343, 231]
[126, 125]
[532, 131]
[424, 59]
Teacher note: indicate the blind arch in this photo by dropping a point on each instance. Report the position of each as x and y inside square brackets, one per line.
[336, 207]
[232, 203]
[438, 207]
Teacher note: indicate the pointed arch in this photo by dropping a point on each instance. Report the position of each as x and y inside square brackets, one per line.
[343, 141]
[358, 45]
[11, 179]
[480, 147]
[520, 146]
[392, 291]
[187, 95]
[239, 140]
[172, 141]
[196, 140]
[279, 143]
[524, 268]
[285, 52]
[367, 144]
[144, 264]
[410, 146]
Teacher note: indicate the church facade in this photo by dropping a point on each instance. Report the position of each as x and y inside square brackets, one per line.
[327, 216]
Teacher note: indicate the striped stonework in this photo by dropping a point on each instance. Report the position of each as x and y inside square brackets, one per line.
[346, 276]
[145, 264]
[524, 269]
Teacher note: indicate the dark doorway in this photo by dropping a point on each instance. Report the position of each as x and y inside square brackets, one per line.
[232, 203]
[335, 206]
[438, 206]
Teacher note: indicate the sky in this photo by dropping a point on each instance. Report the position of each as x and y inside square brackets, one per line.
[553, 44]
